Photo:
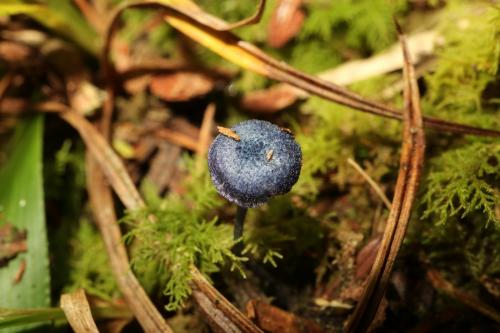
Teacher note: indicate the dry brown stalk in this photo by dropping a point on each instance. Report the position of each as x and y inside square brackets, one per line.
[104, 213]
[371, 182]
[222, 315]
[440, 283]
[178, 138]
[91, 15]
[206, 130]
[105, 217]
[411, 162]
[77, 310]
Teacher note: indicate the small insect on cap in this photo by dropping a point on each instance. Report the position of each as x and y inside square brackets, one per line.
[254, 161]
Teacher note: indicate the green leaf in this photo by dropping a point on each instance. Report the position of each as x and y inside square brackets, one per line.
[15, 317]
[57, 15]
[22, 205]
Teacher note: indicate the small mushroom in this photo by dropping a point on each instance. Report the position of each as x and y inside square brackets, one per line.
[264, 162]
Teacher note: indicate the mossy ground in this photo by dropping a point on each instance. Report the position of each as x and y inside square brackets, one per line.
[299, 246]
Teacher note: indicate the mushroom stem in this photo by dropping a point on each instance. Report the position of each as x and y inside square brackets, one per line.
[241, 212]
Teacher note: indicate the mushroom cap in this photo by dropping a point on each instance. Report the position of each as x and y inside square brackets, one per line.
[264, 162]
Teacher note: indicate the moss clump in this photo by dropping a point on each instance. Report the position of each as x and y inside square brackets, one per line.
[462, 182]
[467, 65]
[89, 265]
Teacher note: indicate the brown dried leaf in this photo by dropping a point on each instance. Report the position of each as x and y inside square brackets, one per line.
[285, 23]
[163, 166]
[205, 137]
[275, 320]
[177, 138]
[366, 257]
[15, 53]
[269, 100]
[443, 285]
[181, 86]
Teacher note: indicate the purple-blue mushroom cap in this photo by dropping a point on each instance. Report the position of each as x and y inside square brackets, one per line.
[265, 162]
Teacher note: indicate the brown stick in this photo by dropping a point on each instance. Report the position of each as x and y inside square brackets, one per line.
[221, 314]
[178, 139]
[441, 284]
[90, 14]
[205, 131]
[104, 214]
[411, 162]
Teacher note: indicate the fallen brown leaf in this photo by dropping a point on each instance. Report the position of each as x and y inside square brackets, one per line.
[441, 284]
[285, 23]
[366, 257]
[181, 86]
[15, 53]
[269, 100]
[275, 320]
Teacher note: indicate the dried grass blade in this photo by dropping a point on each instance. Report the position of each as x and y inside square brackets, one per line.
[222, 315]
[441, 284]
[109, 162]
[207, 125]
[103, 210]
[189, 8]
[411, 162]
[77, 311]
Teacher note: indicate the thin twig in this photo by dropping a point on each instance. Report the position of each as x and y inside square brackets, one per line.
[207, 125]
[441, 284]
[177, 138]
[371, 182]
[223, 316]
[103, 208]
[104, 214]
[91, 15]
[205, 136]
[5, 83]
[411, 162]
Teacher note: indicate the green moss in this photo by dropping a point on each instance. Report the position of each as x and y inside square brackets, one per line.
[89, 265]
[177, 232]
[463, 181]
[467, 64]
[362, 24]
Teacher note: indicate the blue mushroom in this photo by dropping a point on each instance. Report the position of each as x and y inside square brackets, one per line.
[254, 161]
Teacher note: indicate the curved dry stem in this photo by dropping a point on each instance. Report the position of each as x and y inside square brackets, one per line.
[411, 163]
[371, 182]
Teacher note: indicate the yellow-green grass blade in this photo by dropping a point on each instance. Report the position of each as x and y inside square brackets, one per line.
[57, 15]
